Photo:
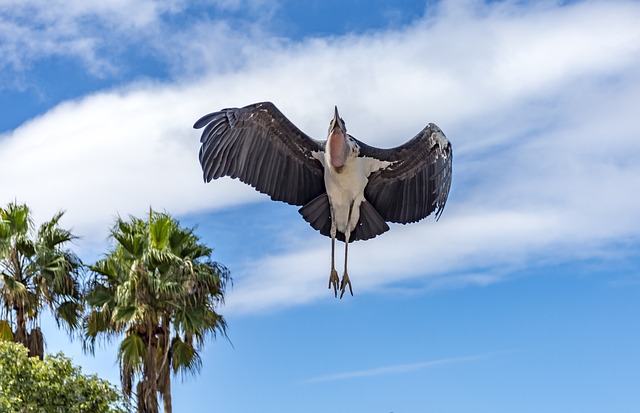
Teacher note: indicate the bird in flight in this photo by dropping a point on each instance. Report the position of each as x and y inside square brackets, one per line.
[346, 189]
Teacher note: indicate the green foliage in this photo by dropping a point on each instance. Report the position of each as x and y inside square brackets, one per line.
[159, 288]
[30, 385]
[36, 272]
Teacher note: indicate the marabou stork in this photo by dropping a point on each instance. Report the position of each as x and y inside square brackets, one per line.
[347, 189]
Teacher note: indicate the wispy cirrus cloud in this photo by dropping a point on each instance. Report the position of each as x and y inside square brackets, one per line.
[106, 36]
[395, 369]
[34, 30]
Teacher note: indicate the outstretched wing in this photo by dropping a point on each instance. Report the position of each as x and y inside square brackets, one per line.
[260, 146]
[418, 180]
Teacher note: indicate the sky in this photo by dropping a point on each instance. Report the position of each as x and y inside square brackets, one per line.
[523, 297]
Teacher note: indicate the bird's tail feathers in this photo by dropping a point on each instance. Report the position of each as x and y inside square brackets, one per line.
[370, 225]
[317, 212]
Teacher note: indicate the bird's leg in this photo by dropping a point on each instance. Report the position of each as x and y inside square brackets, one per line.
[333, 277]
[345, 277]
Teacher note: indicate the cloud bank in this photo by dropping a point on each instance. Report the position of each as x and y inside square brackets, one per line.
[539, 102]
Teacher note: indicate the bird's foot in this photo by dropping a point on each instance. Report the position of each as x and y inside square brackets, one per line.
[343, 284]
[333, 281]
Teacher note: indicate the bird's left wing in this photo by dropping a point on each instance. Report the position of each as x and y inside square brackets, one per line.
[260, 146]
[418, 180]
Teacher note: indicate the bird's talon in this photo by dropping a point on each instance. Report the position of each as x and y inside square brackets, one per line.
[343, 285]
[333, 281]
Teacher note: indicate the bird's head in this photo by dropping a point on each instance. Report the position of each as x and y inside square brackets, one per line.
[337, 123]
[337, 143]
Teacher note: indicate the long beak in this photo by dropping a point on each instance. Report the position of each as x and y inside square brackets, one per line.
[335, 122]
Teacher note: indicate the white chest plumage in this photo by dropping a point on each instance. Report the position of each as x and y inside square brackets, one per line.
[345, 187]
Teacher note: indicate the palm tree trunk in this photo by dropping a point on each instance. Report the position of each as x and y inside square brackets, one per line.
[18, 302]
[35, 341]
[165, 367]
[166, 398]
[151, 373]
[21, 326]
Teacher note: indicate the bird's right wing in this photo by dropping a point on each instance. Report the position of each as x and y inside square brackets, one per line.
[260, 146]
[418, 180]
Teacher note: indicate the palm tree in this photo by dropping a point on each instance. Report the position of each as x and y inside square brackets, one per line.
[158, 289]
[36, 272]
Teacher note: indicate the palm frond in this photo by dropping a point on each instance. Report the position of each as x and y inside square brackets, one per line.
[127, 314]
[184, 358]
[99, 296]
[6, 333]
[51, 235]
[17, 218]
[13, 288]
[70, 312]
[161, 227]
[131, 352]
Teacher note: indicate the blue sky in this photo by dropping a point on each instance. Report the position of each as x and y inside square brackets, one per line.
[523, 297]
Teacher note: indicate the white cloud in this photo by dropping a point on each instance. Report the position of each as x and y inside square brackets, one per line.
[33, 30]
[101, 35]
[541, 109]
[395, 369]
[111, 153]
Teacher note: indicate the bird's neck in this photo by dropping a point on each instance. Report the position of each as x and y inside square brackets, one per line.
[337, 148]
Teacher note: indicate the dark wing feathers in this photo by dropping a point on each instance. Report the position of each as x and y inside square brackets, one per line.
[260, 146]
[418, 181]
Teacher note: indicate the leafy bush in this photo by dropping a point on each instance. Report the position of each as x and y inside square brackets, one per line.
[31, 385]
